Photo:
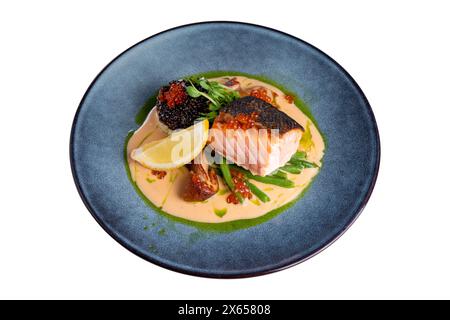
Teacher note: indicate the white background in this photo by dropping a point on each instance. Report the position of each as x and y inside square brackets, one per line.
[398, 52]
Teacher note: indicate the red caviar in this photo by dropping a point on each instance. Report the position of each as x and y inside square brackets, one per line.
[261, 93]
[159, 174]
[232, 198]
[289, 98]
[174, 96]
[240, 187]
[240, 121]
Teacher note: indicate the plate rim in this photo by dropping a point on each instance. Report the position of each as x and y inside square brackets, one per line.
[237, 275]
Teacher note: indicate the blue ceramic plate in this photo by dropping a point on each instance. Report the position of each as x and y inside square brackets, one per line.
[330, 206]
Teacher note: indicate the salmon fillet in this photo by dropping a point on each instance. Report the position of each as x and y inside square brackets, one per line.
[255, 135]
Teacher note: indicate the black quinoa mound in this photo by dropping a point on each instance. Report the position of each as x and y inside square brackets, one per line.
[182, 115]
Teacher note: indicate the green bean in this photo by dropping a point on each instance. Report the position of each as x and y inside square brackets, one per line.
[285, 183]
[257, 192]
[227, 175]
[239, 197]
[299, 155]
[229, 180]
[296, 163]
[279, 174]
[291, 169]
[303, 163]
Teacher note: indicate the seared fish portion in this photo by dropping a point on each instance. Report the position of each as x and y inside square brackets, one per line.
[255, 135]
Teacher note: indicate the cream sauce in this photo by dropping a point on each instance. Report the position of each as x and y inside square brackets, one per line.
[165, 193]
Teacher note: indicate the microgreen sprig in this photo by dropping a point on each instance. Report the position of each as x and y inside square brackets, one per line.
[217, 94]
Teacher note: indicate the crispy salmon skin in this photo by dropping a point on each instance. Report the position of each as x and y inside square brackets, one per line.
[269, 117]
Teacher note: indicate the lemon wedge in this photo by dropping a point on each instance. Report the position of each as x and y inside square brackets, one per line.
[175, 150]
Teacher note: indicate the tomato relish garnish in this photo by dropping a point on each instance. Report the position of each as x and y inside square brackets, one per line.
[240, 187]
[289, 98]
[261, 93]
[175, 95]
[159, 174]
